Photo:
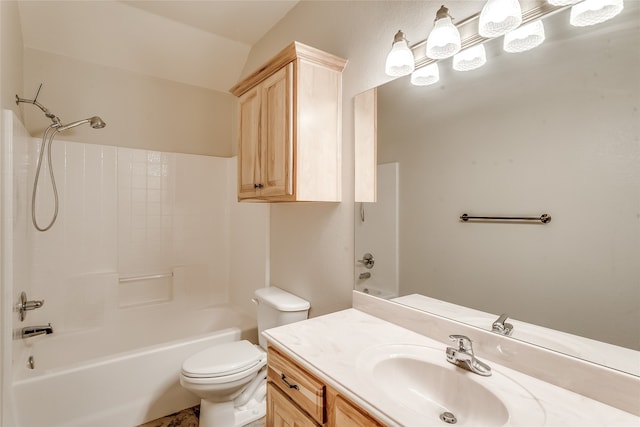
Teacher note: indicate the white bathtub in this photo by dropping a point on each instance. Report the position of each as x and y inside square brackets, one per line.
[120, 377]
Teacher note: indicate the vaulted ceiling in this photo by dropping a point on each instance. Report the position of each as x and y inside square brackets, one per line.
[201, 43]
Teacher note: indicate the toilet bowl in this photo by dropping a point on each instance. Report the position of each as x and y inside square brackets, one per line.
[219, 375]
[230, 378]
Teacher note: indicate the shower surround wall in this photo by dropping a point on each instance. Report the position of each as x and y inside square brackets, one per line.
[123, 213]
[127, 213]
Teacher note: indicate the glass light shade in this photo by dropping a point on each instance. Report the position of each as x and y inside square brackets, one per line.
[562, 2]
[444, 39]
[400, 61]
[591, 12]
[470, 59]
[524, 38]
[498, 17]
[426, 75]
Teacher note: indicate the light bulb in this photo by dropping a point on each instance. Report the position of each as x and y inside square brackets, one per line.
[499, 17]
[470, 59]
[524, 38]
[591, 12]
[444, 39]
[426, 75]
[400, 61]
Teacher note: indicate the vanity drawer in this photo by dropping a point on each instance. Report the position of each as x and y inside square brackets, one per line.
[302, 387]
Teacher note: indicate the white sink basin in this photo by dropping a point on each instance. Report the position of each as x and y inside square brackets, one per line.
[431, 390]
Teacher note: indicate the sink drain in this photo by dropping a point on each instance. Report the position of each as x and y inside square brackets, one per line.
[448, 418]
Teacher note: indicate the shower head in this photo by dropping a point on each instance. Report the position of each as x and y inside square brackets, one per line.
[95, 122]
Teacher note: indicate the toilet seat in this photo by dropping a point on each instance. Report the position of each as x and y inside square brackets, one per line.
[224, 360]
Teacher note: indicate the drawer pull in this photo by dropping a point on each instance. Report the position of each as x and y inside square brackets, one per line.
[284, 380]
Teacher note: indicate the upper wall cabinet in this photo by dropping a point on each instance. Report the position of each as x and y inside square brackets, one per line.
[289, 128]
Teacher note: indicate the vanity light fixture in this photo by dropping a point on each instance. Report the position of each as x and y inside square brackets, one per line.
[400, 61]
[444, 40]
[427, 75]
[470, 59]
[591, 12]
[498, 17]
[524, 38]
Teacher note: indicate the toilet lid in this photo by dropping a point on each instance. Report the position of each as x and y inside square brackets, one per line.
[222, 359]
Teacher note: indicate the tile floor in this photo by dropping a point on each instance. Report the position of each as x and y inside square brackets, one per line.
[187, 418]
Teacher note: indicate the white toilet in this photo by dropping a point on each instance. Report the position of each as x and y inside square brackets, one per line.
[230, 378]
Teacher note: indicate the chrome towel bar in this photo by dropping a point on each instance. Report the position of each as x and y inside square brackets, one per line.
[544, 218]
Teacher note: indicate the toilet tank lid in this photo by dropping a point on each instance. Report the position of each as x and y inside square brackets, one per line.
[281, 300]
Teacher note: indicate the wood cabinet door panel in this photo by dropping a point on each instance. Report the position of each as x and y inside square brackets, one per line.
[282, 412]
[276, 133]
[249, 144]
[348, 415]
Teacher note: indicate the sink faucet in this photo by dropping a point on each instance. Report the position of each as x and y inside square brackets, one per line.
[463, 356]
[33, 331]
[500, 327]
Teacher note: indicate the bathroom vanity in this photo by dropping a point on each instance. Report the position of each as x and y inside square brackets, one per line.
[353, 368]
[297, 397]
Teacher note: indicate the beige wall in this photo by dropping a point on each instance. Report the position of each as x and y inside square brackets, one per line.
[11, 54]
[10, 84]
[312, 247]
[140, 111]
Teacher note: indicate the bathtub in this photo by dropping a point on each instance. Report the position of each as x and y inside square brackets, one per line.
[123, 376]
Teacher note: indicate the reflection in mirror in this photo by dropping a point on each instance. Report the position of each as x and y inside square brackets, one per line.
[553, 130]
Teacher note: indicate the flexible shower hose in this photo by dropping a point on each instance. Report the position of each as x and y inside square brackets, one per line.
[53, 180]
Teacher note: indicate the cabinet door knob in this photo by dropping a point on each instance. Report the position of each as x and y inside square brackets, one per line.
[258, 186]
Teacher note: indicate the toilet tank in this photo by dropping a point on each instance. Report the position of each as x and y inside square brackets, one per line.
[276, 308]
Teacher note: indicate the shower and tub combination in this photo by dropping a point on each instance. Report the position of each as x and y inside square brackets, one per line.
[136, 275]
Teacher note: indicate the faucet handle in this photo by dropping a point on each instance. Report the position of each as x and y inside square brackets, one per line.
[23, 306]
[464, 342]
[500, 326]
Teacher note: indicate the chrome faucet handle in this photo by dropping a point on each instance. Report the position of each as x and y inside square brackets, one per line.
[23, 306]
[463, 356]
[464, 343]
[501, 327]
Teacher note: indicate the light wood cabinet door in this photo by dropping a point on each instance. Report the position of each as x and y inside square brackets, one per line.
[249, 144]
[348, 415]
[276, 134]
[282, 412]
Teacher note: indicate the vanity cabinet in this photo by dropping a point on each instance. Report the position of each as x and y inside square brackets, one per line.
[289, 128]
[298, 398]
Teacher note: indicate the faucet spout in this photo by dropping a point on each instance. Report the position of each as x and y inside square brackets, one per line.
[34, 331]
[464, 357]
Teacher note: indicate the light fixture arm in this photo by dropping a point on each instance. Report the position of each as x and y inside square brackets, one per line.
[399, 37]
[443, 12]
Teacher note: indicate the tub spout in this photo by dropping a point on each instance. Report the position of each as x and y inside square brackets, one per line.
[33, 331]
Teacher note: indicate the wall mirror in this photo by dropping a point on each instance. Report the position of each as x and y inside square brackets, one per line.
[554, 130]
